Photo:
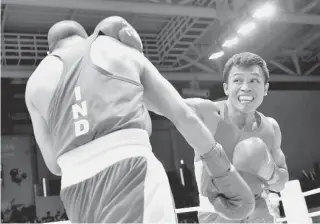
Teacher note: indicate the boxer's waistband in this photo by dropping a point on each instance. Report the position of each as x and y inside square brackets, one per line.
[89, 159]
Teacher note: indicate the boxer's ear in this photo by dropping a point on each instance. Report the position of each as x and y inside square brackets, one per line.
[266, 88]
[225, 88]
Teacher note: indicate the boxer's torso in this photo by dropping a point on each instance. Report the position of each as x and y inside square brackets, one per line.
[97, 92]
[229, 135]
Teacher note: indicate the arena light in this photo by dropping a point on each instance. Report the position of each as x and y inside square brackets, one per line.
[265, 11]
[216, 55]
[246, 28]
[230, 42]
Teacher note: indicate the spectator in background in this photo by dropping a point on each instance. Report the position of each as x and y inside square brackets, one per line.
[64, 216]
[58, 216]
[36, 220]
[48, 218]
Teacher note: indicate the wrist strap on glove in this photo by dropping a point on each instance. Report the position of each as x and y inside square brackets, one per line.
[216, 162]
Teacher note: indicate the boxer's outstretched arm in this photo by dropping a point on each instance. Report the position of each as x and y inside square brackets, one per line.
[281, 175]
[207, 110]
[41, 133]
[162, 98]
[233, 198]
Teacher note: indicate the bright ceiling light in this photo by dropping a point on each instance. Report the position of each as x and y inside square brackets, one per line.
[230, 42]
[265, 11]
[216, 55]
[246, 28]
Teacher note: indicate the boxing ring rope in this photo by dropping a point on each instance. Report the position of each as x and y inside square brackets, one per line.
[294, 204]
[293, 200]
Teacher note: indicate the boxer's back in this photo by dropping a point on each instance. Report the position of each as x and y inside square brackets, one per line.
[98, 93]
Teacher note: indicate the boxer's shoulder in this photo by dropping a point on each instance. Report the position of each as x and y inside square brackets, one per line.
[109, 44]
[204, 105]
[269, 120]
[272, 121]
[275, 125]
[118, 55]
[44, 80]
[270, 124]
[47, 74]
[220, 104]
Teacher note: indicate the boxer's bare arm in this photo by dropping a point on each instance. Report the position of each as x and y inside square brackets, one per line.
[34, 89]
[44, 141]
[279, 159]
[160, 96]
[207, 110]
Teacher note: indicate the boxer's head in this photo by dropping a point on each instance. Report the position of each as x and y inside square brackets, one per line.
[65, 30]
[246, 79]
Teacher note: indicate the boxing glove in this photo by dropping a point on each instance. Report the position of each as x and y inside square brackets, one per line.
[226, 190]
[118, 28]
[252, 155]
[63, 30]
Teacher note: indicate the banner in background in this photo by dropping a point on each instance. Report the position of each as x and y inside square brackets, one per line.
[17, 182]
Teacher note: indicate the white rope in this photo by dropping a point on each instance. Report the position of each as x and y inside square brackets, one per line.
[311, 192]
[281, 220]
[312, 214]
[195, 209]
[186, 210]
[307, 193]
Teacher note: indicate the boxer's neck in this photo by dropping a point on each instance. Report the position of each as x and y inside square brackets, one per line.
[241, 119]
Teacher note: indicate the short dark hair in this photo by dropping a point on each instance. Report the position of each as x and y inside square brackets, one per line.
[245, 59]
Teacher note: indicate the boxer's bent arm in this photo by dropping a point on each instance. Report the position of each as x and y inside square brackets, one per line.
[282, 174]
[41, 133]
[161, 97]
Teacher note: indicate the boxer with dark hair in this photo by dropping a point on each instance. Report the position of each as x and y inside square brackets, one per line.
[251, 140]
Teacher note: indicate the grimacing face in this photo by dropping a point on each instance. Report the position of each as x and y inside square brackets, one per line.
[246, 88]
